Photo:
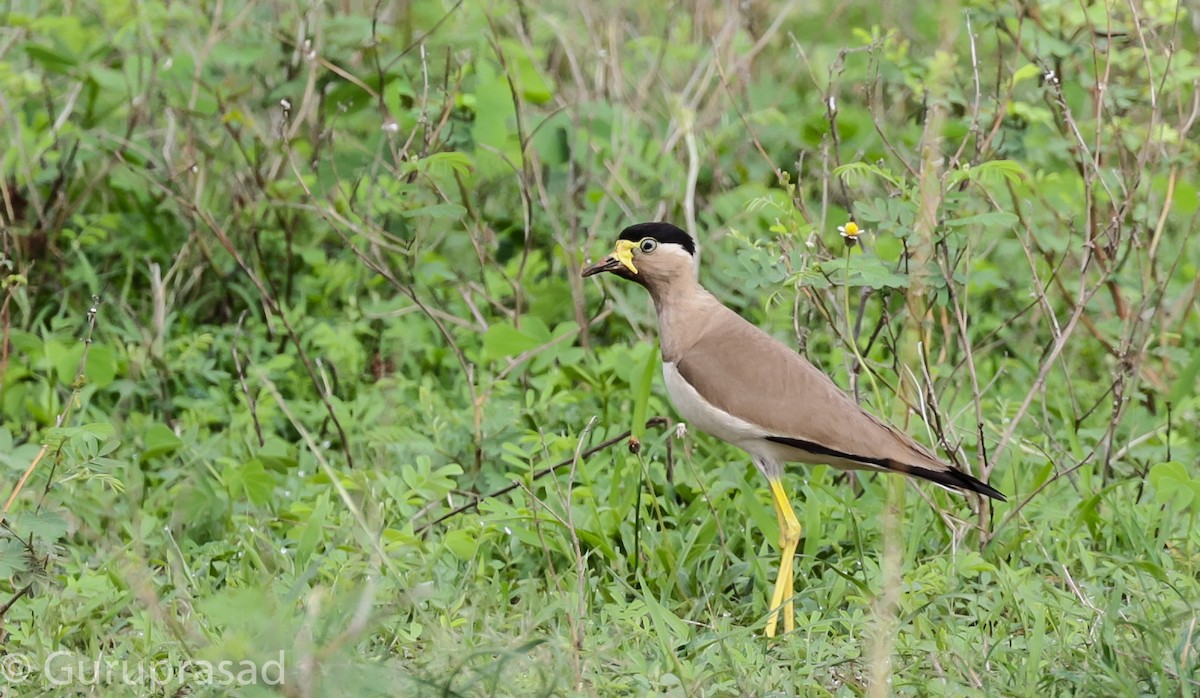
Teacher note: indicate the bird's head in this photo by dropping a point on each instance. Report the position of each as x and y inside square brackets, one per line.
[651, 254]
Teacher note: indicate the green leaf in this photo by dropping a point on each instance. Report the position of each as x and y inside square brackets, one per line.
[1151, 569]
[462, 544]
[279, 363]
[160, 441]
[643, 381]
[1185, 384]
[535, 87]
[46, 524]
[12, 558]
[1036, 644]
[670, 628]
[503, 339]
[448, 161]
[276, 454]
[1010, 170]
[494, 129]
[101, 367]
[16, 458]
[1187, 198]
[64, 359]
[1172, 485]
[970, 564]
[426, 482]
[56, 61]
[436, 211]
[313, 531]
[101, 430]
[251, 479]
[852, 172]
[112, 81]
[552, 139]
[811, 276]
[994, 219]
[1026, 72]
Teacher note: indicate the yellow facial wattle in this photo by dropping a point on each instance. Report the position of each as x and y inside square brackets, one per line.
[624, 254]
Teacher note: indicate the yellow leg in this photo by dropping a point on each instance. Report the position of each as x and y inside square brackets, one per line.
[789, 536]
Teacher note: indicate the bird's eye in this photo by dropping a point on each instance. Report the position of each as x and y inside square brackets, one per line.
[648, 245]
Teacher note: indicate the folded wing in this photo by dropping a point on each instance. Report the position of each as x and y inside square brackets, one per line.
[801, 409]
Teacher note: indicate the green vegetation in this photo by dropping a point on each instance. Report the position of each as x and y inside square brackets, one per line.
[286, 283]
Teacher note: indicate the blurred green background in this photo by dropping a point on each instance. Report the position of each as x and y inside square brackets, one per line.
[286, 283]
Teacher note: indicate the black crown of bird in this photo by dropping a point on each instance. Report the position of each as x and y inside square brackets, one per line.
[733, 381]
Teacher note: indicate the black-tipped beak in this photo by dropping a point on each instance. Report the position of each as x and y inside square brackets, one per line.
[609, 263]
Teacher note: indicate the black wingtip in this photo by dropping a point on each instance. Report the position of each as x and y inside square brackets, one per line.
[981, 487]
[954, 479]
[950, 478]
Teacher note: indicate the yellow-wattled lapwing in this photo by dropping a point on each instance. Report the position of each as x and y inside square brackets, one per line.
[734, 381]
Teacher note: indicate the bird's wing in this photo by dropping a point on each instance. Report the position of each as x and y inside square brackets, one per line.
[742, 370]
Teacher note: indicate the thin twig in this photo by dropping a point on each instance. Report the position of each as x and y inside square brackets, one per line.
[657, 421]
[76, 386]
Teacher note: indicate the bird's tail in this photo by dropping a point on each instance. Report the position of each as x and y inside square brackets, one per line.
[951, 478]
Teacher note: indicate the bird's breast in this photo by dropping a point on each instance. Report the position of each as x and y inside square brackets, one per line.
[704, 415]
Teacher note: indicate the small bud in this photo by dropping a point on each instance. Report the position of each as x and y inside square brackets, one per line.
[635, 446]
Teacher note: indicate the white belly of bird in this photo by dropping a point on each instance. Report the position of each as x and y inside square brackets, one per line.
[706, 417]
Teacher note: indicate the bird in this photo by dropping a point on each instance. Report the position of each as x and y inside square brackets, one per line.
[734, 381]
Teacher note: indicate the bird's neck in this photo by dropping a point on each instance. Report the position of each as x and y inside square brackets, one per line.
[683, 314]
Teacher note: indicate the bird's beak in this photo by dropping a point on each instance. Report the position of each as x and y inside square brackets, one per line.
[622, 256]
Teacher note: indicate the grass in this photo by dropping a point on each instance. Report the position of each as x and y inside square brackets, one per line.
[296, 365]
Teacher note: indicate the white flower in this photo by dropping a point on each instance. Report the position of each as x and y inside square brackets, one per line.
[850, 232]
